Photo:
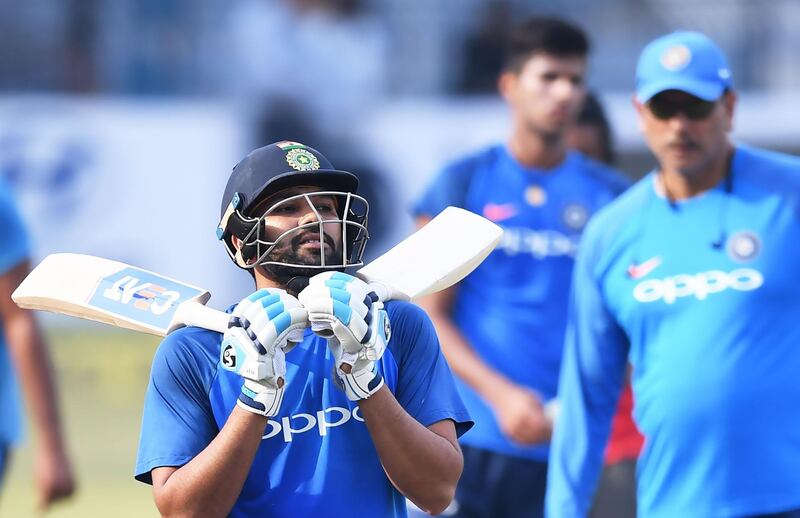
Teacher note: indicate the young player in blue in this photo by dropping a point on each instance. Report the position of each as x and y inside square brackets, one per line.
[502, 327]
[24, 358]
[348, 424]
[689, 275]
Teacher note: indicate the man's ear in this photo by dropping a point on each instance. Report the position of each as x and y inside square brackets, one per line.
[237, 245]
[729, 102]
[639, 107]
[506, 84]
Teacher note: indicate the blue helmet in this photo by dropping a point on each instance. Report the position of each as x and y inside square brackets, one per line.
[273, 168]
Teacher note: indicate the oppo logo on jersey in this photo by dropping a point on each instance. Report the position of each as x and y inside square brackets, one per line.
[322, 421]
[540, 244]
[699, 285]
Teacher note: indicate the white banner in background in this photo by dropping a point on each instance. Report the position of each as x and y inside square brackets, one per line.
[131, 180]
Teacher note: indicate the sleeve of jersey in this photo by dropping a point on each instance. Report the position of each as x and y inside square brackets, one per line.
[14, 247]
[592, 373]
[447, 188]
[177, 422]
[425, 387]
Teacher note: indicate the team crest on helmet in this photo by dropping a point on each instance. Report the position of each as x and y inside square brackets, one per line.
[575, 216]
[535, 196]
[302, 159]
[743, 246]
[676, 57]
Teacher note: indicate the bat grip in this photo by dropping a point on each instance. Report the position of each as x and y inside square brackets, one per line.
[383, 292]
[322, 329]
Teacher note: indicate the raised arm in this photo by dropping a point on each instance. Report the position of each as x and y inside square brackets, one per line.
[423, 463]
[264, 326]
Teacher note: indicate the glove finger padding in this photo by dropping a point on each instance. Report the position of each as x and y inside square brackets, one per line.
[272, 317]
[255, 345]
[360, 328]
[264, 326]
[347, 302]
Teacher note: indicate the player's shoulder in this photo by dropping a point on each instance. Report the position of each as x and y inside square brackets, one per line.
[769, 170]
[620, 214]
[605, 176]
[406, 315]
[476, 160]
[189, 347]
[411, 326]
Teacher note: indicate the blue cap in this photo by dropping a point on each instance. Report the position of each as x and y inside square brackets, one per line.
[685, 61]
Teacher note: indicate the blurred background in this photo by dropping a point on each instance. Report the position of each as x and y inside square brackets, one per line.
[120, 121]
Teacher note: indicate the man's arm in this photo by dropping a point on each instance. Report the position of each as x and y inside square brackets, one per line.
[592, 373]
[519, 411]
[54, 475]
[423, 463]
[214, 465]
[210, 483]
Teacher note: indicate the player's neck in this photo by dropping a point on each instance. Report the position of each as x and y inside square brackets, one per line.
[678, 185]
[262, 281]
[534, 150]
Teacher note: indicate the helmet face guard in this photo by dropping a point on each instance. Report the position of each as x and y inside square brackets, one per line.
[341, 235]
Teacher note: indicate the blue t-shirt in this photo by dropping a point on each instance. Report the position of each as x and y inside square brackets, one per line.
[512, 308]
[702, 296]
[14, 249]
[316, 457]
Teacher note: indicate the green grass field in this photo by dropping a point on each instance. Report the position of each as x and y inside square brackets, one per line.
[102, 376]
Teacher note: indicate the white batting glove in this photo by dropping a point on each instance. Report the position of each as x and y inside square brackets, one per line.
[264, 327]
[343, 309]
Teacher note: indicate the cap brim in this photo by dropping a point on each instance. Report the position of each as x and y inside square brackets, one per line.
[706, 90]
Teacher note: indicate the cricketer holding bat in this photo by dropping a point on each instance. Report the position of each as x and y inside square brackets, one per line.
[271, 419]
[692, 276]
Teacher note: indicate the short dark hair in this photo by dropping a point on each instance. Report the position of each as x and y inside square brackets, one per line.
[593, 114]
[547, 35]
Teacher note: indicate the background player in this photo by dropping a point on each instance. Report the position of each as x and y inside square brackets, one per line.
[616, 492]
[285, 441]
[23, 354]
[688, 274]
[502, 327]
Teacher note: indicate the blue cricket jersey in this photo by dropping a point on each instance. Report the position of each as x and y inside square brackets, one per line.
[702, 296]
[512, 308]
[316, 457]
[14, 249]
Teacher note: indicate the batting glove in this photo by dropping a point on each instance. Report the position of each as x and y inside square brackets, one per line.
[264, 327]
[343, 309]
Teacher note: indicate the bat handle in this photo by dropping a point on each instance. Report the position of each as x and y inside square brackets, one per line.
[322, 329]
[383, 292]
[192, 313]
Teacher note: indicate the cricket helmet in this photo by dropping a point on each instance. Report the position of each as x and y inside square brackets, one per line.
[271, 169]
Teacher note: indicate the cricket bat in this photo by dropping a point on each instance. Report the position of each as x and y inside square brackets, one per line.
[433, 258]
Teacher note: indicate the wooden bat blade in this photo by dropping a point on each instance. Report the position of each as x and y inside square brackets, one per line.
[433, 258]
[436, 256]
[114, 293]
